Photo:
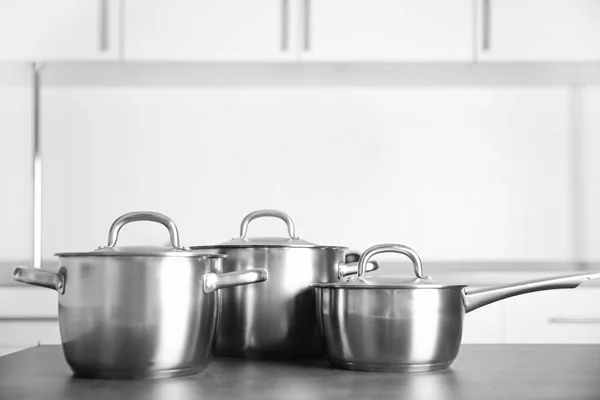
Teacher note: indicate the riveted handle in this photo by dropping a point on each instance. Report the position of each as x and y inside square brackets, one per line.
[268, 213]
[150, 216]
[214, 281]
[390, 248]
[40, 277]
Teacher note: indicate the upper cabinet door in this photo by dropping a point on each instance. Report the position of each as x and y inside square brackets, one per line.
[387, 30]
[208, 30]
[538, 30]
[16, 206]
[49, 30]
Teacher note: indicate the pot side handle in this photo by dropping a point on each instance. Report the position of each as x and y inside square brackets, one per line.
[350, 265]
[213, 281]
[476, 298]
[40, 277]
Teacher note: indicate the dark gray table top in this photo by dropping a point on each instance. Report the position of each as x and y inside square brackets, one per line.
[480, 372]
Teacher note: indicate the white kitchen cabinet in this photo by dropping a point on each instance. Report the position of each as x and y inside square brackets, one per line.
[16, 209]
[28, 316]
[387, 30]
[209, 30]
[485, 325]
[33, 30]
[538, 30]
[590, 173]
[556, 316]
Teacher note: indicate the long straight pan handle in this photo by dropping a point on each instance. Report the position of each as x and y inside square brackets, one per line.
[40, 277]
[475, 298]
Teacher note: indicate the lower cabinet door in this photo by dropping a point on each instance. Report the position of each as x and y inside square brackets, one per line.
[23, 333]
[485, 325]
[557, 316]
[28, 317]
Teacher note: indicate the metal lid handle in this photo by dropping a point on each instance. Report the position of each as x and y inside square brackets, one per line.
[113, 233]
[268, 213]
[390, 248]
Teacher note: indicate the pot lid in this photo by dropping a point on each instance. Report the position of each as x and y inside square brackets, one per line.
[267, 242]
[291, 241]
[176, 250]
[384, 282]
[361, 281]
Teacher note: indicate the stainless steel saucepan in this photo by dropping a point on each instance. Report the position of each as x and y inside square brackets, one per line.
[398, 325]
[138, 312]
[277, 318]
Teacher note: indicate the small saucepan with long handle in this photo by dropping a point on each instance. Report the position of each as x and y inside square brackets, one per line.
[138, 311]
[389, 324]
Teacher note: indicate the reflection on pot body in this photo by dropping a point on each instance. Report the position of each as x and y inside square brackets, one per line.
[364, 327]
[276, 318]
[148, 316]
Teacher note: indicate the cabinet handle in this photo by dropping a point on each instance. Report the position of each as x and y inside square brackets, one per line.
[574, 320]
[307, 25]
[103, 25]
[28, 319]
[285, 24]
[487, 24]
[37, 167]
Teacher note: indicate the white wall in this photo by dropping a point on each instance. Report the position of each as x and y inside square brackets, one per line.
[590, 180]
[15, 163]
[457, 172]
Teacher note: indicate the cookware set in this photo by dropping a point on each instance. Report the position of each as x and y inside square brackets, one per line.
[146, 312]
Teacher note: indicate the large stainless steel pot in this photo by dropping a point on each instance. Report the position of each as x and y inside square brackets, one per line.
[396, 325]
[276, 319]
[138, 312]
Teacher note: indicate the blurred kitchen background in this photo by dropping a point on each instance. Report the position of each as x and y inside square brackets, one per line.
[466, 129]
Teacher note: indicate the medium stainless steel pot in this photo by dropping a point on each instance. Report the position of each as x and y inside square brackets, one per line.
[398, 325]
[138, 312]
[276, 319]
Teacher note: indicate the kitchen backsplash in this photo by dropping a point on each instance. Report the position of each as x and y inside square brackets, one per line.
[473, 172]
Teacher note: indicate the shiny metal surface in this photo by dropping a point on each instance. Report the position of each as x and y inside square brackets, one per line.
[291, 241]
[268, 213]
[126, 316]
[391, 330]
[212, 282]
[40, 277]
[386, 328]
[276, 318]
[391, 248]
[115, 228]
